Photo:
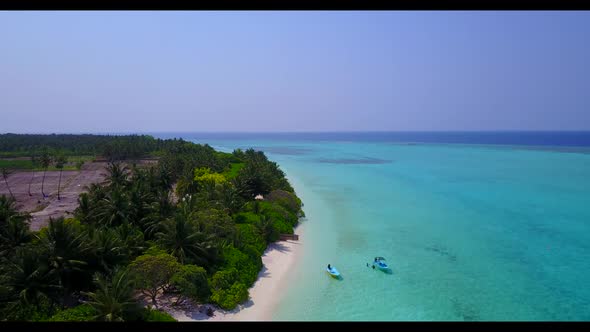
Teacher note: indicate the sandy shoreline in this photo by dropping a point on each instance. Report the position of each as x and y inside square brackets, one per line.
[277, 261]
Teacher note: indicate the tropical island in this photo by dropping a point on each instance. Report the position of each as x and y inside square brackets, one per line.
[102, 228]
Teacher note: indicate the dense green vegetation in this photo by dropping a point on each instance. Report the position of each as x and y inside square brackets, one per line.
[188, 225]
[109, 147]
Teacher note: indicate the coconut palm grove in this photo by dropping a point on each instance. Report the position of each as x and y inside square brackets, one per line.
[186, 225]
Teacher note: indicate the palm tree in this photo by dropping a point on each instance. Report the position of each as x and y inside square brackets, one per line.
[253, 180]
[113, 210]
[65, 246]
[14, 234]
[45, 161]
[157, 210]
[117, 174]
[60, 161]
[113, 300]
[180, 235]
[266, 229]
[186, 184]
[28, 278]
[5, 173]
[132, 238]
[96, 192]
[229, 198]
[164, 178]
[9, 212]
[139, 199]
[34, 163]
[84, 208]
[108, 249]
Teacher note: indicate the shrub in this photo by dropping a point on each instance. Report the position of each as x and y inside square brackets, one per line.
[80, 313]
[154, 250]
[224, 279]
[192, 282]
[273, 211]
[254, 254]
[27, 312]
[282, 227]
[285, 199]
[151, 315]
[247, 268]
[246, 218]
[228, 299]
[276, 212]
[249, 235]
[217, 222]
[233, 170]
[203, 175]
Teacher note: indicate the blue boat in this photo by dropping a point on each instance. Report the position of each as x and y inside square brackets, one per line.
[333, 272]
[380, 263]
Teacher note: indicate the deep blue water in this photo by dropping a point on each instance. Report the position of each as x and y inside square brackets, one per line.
[516, 138]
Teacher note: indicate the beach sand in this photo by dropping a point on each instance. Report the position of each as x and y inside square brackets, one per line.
[278, 260]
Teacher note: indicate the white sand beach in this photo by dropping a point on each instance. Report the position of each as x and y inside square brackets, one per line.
[277, 259]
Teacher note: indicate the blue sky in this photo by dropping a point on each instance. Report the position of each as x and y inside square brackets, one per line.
[293, 71]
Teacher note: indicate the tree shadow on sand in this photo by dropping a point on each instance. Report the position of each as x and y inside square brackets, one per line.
[263, 272]
[281, 247]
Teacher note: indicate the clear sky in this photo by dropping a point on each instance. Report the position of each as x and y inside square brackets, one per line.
[293, 71]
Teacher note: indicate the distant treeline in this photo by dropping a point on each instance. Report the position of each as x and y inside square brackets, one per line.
[107, 146]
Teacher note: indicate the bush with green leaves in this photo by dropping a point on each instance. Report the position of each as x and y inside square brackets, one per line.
[282, 227]
[191, 281]
[215, 222]
[80, 313]
[287, 200]
[229, 298]
[154, 250]
[224, 278]
[204, 175]
[249, 235]
[26, 312]
[233, 170]
[152, 315]
[255, 255]
[275, 211]
[243, 263]
[246, 218]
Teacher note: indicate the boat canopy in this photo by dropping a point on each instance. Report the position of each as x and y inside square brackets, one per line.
[379, 258]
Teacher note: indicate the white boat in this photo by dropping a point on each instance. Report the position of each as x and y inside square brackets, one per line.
[333, 272]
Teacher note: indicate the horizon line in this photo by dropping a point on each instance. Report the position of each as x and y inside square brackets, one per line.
[148, 132]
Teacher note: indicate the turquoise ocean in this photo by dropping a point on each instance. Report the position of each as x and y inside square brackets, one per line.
[496, 232]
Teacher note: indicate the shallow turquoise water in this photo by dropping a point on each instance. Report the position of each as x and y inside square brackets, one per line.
[471, 232]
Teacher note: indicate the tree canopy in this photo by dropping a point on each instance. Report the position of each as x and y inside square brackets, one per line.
[187, 223]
